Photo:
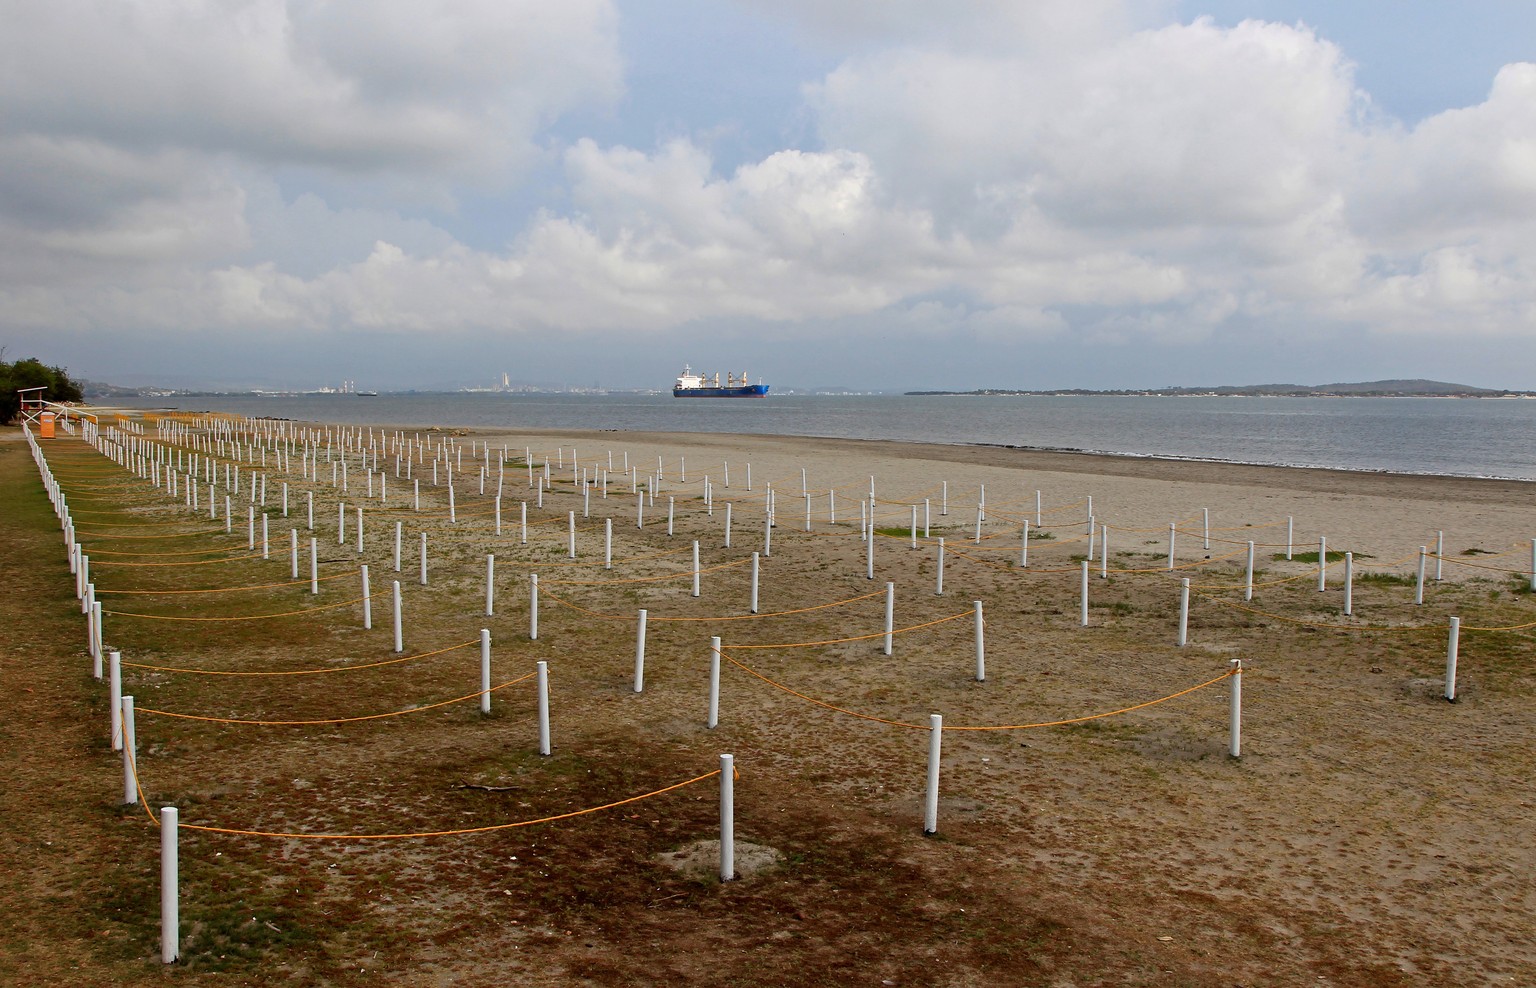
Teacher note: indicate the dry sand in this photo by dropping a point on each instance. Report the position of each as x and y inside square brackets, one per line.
[1371, 834]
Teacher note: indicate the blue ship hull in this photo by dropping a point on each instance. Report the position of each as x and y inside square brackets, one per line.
[748, 391]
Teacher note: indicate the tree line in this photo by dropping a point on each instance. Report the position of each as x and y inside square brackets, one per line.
[32, 373]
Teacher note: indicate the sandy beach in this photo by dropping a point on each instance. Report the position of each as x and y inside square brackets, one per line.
[1371, 833]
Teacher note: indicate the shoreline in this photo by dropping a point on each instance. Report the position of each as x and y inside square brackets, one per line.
[1324, 480]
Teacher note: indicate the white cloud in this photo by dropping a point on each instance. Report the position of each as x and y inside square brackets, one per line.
[1036, 172]
[134, 131]
[353, 85]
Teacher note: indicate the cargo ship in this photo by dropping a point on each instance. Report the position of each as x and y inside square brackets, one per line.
[691, 385]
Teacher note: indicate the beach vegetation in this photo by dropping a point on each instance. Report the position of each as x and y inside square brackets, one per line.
[1334, 556]
[32, 373]
[1385, 579]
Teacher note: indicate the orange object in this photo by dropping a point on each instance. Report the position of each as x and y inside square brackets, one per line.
[45, 425]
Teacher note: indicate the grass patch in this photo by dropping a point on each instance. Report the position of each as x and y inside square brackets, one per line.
[1311, 557]
[1385, 579]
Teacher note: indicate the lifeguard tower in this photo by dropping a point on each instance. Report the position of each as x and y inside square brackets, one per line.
[35, 411]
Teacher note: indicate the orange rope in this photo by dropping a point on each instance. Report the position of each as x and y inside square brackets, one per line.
[250, 617]
[300, 672]
[859, 638]
[999, 727]
[337, 720]
[465, 830]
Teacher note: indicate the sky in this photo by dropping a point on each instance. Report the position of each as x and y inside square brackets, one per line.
[877, 195]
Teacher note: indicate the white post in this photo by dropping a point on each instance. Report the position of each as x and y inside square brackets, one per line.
[1439, 556]
[640, 509]
[533, 607]
[498, 515]
[1184, 612]
[713, 720]
[1418, 590]
[250, 527]
[914, 526]
[490, 584]
[1290, 535]
[423, 577]
[640, 652]
[341, 523]
[935, 747]
[869, 550]
[1038, 513]
[944, 498]
[727, 523]
[890, 616]
[1322, 563]
[1173, 534]
[754, 581]
[671, 513]
[367, 601]
[293, 553]
[398, 533]
[522, 520]
[696, 566]
[727, 817]
[359, 529]
[1452, 646]
[1349, 583]
[1093, 533]
[1104, 552]
[939, 589]
[485, 670]
[115, 695]
[1206, 515]
[1248, 592]
[314, 567]
[981, 647]
[453, 511]
[130, 755]
[570, 525]
[1024, 545]
[96, 637]
[1236, 718]
[1082, 617]
[398, 618]
[543, 705]
[170, 881]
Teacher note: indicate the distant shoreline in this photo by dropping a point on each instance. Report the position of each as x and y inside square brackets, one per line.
[1221, 393]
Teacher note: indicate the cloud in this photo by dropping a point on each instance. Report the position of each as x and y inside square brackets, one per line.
[133, 130]
[1009, 173]
[355, 86]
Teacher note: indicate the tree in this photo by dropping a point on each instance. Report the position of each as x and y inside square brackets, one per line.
[32, 373]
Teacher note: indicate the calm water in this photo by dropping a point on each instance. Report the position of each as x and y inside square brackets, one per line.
[1467, 437]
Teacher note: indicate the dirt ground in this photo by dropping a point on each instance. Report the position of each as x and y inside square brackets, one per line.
[1370, 834]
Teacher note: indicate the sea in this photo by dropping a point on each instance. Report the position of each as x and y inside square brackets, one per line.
[1469, 437]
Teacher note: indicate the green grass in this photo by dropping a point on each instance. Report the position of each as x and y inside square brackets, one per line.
[1385, 579]
[1311, 557]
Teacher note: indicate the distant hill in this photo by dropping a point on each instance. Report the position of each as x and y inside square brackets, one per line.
[1417, 388]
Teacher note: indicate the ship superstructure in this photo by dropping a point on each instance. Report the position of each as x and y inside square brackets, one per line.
[691, 385]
